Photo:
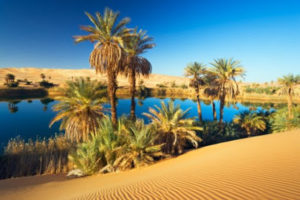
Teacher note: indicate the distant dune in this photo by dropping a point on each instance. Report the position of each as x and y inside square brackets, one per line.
[264, 167]
[59, 76]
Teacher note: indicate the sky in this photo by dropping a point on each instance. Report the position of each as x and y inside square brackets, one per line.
[262, 34]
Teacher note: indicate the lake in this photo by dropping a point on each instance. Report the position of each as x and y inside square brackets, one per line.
[30, 118]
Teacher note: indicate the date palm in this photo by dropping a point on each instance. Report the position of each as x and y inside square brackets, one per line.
[288, 84]
[196, 72]
[226, 71]
[108, 36]
[9, 78]
[80, 108]
[174, 127]
[135, 65]
[251, 122]
[140, 148]
[211, 91]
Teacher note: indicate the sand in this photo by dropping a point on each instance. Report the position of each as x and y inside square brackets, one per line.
[60, 76]
[263, 167]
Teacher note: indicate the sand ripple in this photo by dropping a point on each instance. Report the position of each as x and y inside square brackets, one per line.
[265, 167]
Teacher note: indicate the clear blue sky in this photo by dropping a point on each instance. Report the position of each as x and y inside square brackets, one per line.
[262, 34]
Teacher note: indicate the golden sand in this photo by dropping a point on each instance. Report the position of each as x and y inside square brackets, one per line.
[264, 167]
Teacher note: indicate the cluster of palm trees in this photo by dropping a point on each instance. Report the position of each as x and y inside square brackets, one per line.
[117, 50]
[218, 82]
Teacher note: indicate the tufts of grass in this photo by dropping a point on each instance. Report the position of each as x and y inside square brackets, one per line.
[25, 158]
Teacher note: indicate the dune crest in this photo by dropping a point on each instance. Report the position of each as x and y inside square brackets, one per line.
[264, 167]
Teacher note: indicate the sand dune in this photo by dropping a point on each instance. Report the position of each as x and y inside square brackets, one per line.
[264, 167]
[59, 76]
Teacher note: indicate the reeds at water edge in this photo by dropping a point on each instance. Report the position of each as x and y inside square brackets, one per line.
[42, 156]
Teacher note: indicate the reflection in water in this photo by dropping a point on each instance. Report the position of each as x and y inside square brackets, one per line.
[30, 118]
[45, 102]
[12, 106]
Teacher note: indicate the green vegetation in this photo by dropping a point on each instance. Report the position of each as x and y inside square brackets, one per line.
[270, 90]
[281, 120]
[80, 108]
[252, 122]
[94, 142]
[173, 126]
[107, 55]
[226, 71]
[196, 72]
[288, 84]
[134, 64]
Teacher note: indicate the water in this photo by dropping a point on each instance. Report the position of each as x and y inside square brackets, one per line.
[30, 118]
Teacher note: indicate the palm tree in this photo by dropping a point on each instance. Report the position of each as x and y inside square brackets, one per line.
[107, 54]
[226, 71]
[288, 83]
[43, 76]
[175, 129]
[9, 78]
[211, 91]
[135, 65]
[140, 148]
[251, 122]
[80, 108]
[196, 72]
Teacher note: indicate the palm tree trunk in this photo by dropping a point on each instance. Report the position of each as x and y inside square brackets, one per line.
[199, 106]
[222, 103]
[132, 93]
[214, 110]
[290, 104]
[112, 87]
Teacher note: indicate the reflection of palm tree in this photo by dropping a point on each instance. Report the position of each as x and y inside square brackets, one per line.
[211, 91]
[107, 54]
[226, 72]
[196, 71]
[12, 106]
[45, 102]
[135, 65]
[289, 82]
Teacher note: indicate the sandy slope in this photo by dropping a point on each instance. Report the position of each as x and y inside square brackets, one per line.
[264, 167]
[59, 76]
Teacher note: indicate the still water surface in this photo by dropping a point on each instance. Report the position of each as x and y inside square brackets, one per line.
[30, 118]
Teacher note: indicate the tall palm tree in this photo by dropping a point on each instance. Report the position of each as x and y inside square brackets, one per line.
[196, 72]
[135, 65]
[107, 55]
[175, 129]
[251, 122]
[288, 83]
[80, 108]
[226, 71]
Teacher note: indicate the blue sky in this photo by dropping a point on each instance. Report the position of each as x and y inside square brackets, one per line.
[263, 35]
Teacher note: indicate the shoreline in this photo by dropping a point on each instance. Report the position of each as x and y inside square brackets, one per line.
[23, 93]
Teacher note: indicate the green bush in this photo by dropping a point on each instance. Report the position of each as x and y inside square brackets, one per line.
[281, 122]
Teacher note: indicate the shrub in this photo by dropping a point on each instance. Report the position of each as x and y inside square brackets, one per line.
[281, 122]
[212, 133]
[46, 84]
[109, 149]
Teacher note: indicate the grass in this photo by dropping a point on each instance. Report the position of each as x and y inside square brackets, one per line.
[42, 156]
